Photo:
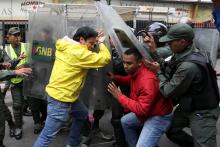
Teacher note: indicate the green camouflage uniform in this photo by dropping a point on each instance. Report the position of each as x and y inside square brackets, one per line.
[187, 77]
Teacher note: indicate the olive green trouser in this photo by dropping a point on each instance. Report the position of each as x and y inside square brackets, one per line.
[6, 111]
[203, 127]
[202, 124]
[18, 100]
[39, 109]
[2, 120]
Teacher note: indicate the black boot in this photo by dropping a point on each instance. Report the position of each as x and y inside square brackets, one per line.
[27, 112]
[11, 128]
[18, 133]
[37, 128]
[99, 134]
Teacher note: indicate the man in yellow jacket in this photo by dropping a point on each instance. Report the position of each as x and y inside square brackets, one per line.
[73, 59]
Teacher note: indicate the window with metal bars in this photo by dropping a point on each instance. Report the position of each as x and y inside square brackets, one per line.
[6, 25]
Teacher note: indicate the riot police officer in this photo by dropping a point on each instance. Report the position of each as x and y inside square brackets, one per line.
[158, 30]
[13, 51]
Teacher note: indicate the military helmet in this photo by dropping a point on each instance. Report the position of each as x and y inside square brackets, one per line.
[158, 30]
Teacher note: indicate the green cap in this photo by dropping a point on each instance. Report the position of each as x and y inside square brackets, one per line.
[178, 31]
[14, 30]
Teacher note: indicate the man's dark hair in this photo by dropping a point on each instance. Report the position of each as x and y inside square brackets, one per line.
[85, 32]
[135, 52]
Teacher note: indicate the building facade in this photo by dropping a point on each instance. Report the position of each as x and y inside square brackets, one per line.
[14, 12]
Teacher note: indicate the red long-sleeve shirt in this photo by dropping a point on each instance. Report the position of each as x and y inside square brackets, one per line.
[145, 98]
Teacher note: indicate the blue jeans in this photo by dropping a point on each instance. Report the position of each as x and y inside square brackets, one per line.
[79, 113]
[57, 115]
[144, 134]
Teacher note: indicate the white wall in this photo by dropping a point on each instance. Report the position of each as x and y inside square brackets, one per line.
[178, 9]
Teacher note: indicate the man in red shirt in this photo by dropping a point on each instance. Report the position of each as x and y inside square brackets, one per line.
[149, 111]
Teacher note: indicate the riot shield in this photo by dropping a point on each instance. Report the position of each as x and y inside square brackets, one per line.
[94, 93]
[207, 39]
[120, 34]
[44, 29]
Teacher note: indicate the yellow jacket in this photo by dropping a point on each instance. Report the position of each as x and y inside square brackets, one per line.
[70, 68]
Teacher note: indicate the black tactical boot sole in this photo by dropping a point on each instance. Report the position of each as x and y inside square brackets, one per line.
[19, 136]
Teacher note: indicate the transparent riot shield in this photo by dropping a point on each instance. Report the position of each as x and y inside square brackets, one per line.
[79, 16]
[120, 34]
[207, 40]
[45, 27]
[94, 93]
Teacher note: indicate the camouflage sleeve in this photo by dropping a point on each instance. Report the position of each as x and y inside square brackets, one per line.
[12, 62]
[5, 74]
[159, 55]
[6, 57]
[164, 52]
[154, 55]
[180, 81]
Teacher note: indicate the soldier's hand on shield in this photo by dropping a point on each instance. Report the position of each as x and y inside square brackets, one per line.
[114, 90]
[110, 75]
[149, 40]
[153, 66]
[101, 37]
[22, 56]
[23, 71]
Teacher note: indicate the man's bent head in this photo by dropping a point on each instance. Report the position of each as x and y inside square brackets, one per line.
[86, 36]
